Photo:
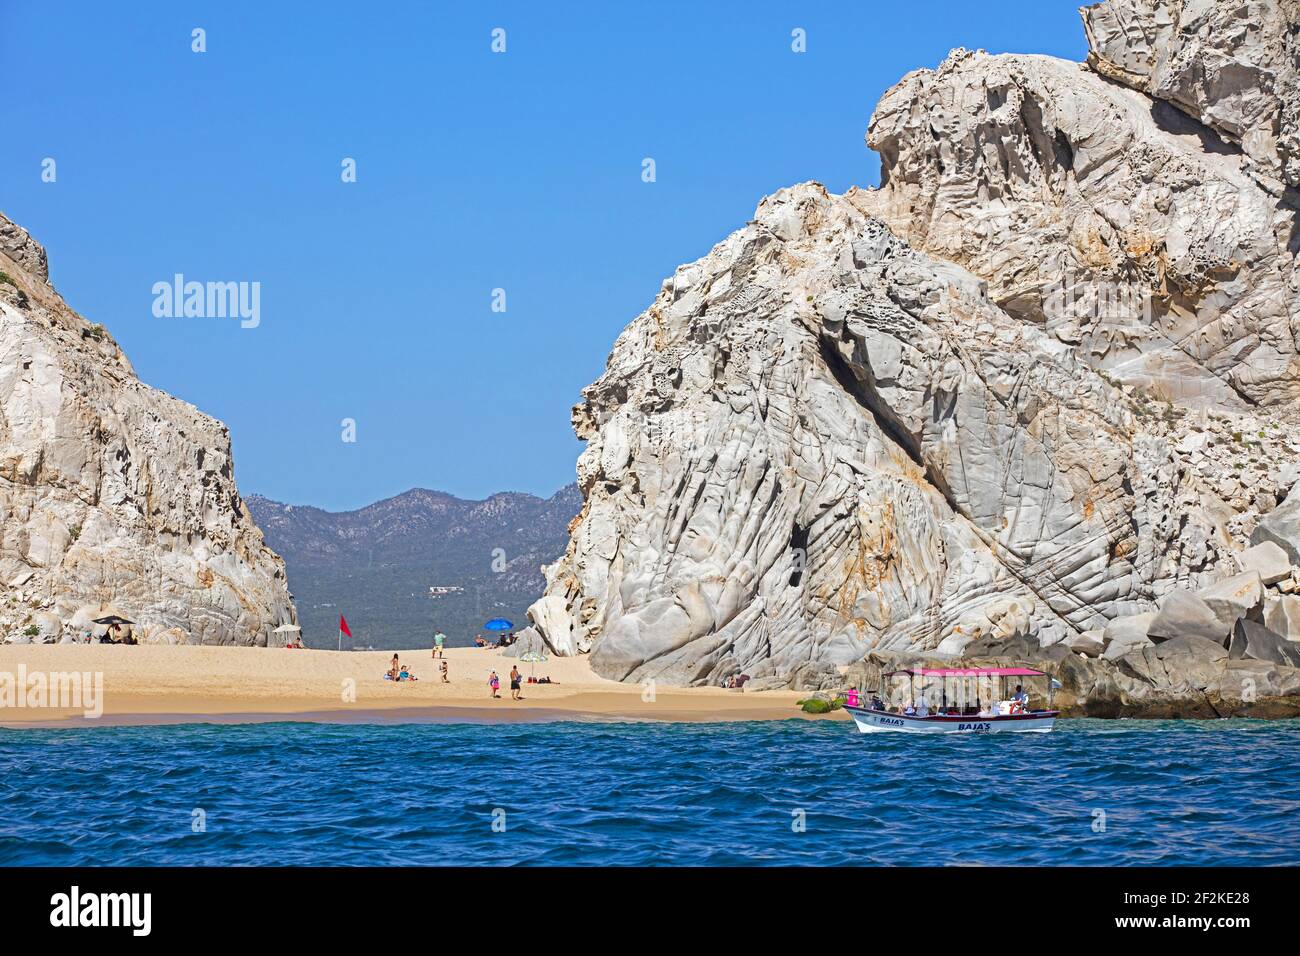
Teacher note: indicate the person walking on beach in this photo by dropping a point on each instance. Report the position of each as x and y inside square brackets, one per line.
[443, 669]
[515, 678]
[438, 638]
[494, 683]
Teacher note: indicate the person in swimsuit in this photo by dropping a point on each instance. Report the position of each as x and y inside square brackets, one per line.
[443, 669]
[494, 683]
[395, 669]
[515, 677]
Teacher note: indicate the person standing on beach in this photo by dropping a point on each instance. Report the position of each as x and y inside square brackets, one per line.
[445, 678]
[494, 683]
[515, 678]
[438, 638]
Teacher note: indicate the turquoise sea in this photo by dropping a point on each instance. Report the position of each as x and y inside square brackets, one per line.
[790, 792]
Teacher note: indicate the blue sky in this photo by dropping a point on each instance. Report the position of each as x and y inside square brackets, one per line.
[475, 171]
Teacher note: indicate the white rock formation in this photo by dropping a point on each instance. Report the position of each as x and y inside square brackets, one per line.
[1235, 66]
[1043, 377]
[114, 497]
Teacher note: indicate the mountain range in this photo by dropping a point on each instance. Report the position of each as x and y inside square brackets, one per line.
[377, 564]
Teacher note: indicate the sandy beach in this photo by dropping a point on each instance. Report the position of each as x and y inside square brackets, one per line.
[153, 684]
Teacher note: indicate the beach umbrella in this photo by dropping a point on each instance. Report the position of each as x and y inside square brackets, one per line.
[113, 619]
[287, 629]
[532, 658]
[498, 624]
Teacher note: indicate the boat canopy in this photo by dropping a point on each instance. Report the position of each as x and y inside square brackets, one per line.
[967, 672]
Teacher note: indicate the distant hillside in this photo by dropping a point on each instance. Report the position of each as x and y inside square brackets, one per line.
[375, 565]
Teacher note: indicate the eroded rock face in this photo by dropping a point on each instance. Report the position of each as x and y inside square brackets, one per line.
[1232, 64]
[1042, 378]
[114, 497]
[1130, 232]
[819, 441]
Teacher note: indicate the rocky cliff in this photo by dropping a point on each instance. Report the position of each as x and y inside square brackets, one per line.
[1044, 379]
[114, 497]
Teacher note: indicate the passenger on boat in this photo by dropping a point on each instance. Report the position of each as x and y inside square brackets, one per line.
[909, 710]
[1021, 697]
[877, 703]
[922, 709]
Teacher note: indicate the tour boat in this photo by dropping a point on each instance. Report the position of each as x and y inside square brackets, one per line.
[1006, 716]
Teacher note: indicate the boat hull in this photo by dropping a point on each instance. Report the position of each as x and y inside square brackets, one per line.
[877, 721]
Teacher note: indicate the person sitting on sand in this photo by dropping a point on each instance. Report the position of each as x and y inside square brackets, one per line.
[480, 641]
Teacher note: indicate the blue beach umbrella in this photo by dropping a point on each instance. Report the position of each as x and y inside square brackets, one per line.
[498, 624]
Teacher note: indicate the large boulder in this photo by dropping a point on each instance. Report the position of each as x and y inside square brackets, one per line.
[1231, 599]
[1087, 643]
[1128, 628]
[1281, 527]
[1125, 642]
[552, 621]
[1268, 560]
[527, 641]
[1183, 614]
[1282, 615]
[1255, 641]
[1179, 665]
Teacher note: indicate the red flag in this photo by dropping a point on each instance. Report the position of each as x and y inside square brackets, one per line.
[343, 626]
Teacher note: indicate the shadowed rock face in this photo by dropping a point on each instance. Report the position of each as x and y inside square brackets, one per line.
[113, 495]
[1232, 64]
[883, 421]
[1128, 230]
